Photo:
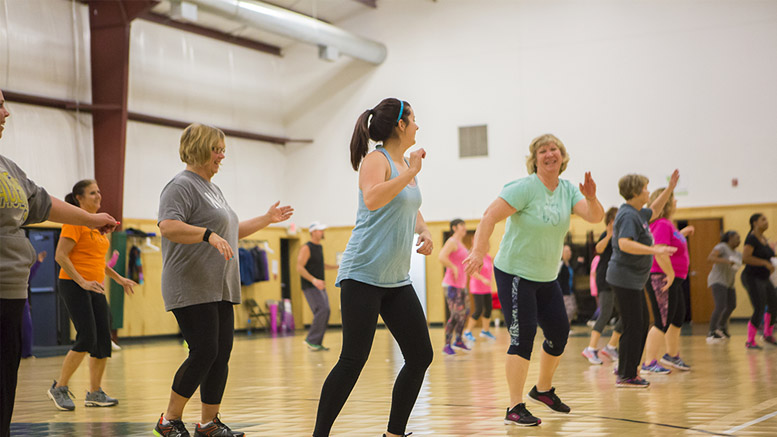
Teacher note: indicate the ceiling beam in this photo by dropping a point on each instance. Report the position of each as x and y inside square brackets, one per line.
[211, 33]
[371, 3]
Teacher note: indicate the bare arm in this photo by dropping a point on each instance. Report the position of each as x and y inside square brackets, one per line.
[635, 248]
[666, 266]
[715, 258]
[62, 256]
[498, 211]
[658, 205]
[275, 214]
[424, 236]
[748, 258]
[377, 189]
[184, 233]
[445, 253]
[63, 212]
[601, 246]
[126, 283]
[589, 209]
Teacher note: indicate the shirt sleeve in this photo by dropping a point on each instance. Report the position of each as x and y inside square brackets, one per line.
[630, 227]
[175, 203]
[515, 194]
[38, 199]
[72, 232]
[662, 232]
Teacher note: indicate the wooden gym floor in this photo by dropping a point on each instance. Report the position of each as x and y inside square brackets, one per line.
[274, 385]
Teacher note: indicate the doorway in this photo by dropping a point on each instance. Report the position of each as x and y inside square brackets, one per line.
[706, 235]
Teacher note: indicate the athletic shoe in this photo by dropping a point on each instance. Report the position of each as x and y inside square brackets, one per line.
[448, 350]
[460, 345]
[591, 355]
[609, 352]
[769, 339]
[61, 397]
[724, 332]
[520, 416]
[654, 367]
[635, 382]
[315, 347]
[174, 428]
[115, 346]
[488, 335]
[752, 345]
[403, 435]
[469, 337]
[216, 428]
[615, 370]
[98, 398]
[591, 323]
[675, 362]
[714, 338]
[549, 399]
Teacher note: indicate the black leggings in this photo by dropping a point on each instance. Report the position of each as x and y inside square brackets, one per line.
[11, 341]
[402, 313]
[209, 330]
[483, 305]
[527, 303]
[668, 306]
[636, 321]
[762, 294]
[725, 303]
[91, 317]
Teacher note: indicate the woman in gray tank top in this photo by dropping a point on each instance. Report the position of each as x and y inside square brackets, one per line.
[374, 273]
[726, 261]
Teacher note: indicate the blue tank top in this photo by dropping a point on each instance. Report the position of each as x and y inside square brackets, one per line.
[378, 252]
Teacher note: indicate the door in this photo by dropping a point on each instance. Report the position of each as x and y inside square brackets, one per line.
[706, 236]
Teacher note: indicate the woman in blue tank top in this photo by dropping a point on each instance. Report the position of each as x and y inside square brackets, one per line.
[374, 274]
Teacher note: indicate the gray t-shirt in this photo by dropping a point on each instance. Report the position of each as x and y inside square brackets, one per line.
[724, 274]
[197, 273]
[21, 203]
[626, 270]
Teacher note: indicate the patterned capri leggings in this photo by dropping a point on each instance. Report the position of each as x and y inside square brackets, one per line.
[457, 305]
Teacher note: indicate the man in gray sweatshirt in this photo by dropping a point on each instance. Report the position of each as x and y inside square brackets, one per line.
[22, 202]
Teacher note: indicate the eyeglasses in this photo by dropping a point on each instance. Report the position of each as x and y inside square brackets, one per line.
[218, 150]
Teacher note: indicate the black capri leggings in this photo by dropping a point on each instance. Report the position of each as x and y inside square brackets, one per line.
[527, 303]
[402, 313]
[91, 317]
[668, 306]
[208, 328]
[762, 294]
[483, 305]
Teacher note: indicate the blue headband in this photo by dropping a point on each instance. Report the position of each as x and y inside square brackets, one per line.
[401, 110]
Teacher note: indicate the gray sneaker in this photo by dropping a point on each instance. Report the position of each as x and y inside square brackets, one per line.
[61, 397]
[98, 398]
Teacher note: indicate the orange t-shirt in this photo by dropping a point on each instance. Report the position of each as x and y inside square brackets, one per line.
[88, 255]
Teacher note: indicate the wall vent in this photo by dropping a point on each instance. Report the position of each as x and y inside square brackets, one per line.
[473, 141]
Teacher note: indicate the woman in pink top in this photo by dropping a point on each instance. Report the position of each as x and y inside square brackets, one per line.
[455, 282]
[481, 285]
[666, 292]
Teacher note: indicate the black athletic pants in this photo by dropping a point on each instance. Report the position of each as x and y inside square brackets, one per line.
[636, 321]
[10, 355]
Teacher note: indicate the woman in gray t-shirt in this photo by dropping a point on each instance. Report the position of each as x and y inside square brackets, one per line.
[726, 261]
[200, 275]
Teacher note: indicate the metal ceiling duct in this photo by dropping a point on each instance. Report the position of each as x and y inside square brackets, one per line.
[296, 26]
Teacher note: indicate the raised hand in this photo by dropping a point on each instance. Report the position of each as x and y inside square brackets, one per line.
[673, 179]
[279, 213]
[415, 160]
[588, 187]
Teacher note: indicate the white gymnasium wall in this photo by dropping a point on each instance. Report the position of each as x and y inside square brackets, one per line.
[183, 76]
[635, 86]
[44, 50]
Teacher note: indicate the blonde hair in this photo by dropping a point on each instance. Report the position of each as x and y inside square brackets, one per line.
[631, 185]
[668, 206]
[197, 140]
[531, 160]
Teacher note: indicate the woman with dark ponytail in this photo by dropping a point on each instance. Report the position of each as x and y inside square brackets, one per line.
[374, 272]
[81, 254]
[757, 255]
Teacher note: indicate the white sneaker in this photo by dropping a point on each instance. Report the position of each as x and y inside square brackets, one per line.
[115, 346]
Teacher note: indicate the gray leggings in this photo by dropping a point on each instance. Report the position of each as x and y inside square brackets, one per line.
[725, 302]
[607, 304]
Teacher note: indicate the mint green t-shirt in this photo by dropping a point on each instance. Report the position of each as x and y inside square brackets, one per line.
[534, 236]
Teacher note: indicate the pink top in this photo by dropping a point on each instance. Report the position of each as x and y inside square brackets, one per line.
[457, 258]
[477, 287]
[664, 232]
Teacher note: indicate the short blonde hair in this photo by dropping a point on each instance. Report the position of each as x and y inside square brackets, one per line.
[197, 140]
[531, 160]
[668, 206]
[631, 185]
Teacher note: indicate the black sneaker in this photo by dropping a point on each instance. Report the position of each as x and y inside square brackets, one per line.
[216, 428]
[403, 435]
[520, 416]
[549, 399]
[175, 428]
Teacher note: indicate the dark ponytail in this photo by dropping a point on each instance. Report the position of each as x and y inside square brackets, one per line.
[78, 190]
[385, 116]
[754, 218]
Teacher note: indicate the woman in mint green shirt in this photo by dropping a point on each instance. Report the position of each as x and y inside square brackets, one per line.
[537, 209]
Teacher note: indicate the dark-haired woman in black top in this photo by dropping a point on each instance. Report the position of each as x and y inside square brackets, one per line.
[757, 255]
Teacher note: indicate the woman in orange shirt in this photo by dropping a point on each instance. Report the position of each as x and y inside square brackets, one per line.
[81, 254]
